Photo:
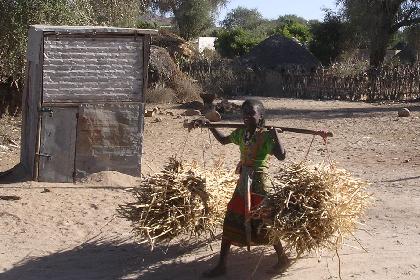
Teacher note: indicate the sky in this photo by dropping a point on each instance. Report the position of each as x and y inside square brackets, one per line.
[272, 9]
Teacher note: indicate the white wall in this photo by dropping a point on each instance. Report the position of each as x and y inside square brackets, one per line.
[206, 43]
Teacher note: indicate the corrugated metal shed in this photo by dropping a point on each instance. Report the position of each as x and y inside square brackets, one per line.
[83, 102]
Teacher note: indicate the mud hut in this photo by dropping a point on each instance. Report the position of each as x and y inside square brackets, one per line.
[279, 53]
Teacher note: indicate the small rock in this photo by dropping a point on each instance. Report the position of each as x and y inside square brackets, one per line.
[149, 113]
[404, 112]
[9, 197]
[191, 112]
[213, 116]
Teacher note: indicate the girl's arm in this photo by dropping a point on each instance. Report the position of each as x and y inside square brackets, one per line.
[223, 139]
[278, 151]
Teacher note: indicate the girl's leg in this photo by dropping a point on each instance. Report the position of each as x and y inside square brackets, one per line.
[283, 262]
[220, 268]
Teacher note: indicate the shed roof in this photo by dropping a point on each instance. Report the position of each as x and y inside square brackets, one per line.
[92, 29]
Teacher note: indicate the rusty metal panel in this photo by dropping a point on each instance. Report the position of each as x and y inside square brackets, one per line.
[57, 144]
[80, 68]
[109, 137]
[31, 101]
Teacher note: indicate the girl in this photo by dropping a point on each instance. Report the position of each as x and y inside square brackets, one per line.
[256, 144]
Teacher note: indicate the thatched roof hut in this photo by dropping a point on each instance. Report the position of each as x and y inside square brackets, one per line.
[280, 53]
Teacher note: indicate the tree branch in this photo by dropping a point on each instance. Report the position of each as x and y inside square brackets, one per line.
[405, 22]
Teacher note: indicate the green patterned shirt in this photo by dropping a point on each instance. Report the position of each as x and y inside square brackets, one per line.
[258, 151]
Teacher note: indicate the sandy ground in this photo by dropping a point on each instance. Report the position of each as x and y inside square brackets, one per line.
[71, 231]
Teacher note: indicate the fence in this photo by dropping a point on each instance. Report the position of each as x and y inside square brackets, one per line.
[397, 82]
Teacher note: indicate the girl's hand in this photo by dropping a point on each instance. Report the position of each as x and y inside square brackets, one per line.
[274, 132]
[278, 150]
[200, 122]
[195, 123]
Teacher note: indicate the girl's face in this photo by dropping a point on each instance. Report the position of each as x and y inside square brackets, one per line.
[251, 117]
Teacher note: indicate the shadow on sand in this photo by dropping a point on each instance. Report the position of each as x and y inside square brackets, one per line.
[126, 260]
[16, 174]
[326, 114]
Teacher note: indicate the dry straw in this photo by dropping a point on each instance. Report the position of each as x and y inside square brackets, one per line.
[314, 207]
[309, 208]
[181, 199]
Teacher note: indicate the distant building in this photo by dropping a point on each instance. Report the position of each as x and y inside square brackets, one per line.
[363, 54]
[206, 43]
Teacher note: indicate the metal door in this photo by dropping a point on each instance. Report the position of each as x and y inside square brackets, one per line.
[109, 137]
[57, 144]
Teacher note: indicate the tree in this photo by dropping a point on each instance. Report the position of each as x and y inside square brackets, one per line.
[291, 18]
[244, 18]
[292, 26]
[380, 20]
[294, 29]
[328, 38]
[17, 15]
[236, 42]
[191, 16]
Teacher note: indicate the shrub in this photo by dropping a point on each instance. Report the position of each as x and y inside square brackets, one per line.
[160, 94]
[236, 42]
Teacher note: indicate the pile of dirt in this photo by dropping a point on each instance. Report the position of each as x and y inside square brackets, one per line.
[164, 73]
[280, 53]
[176, 46]
[161, 66]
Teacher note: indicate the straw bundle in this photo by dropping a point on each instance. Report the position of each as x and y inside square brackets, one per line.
[313, 208]
[181, 199]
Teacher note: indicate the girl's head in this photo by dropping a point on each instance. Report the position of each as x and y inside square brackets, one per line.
[253, 113]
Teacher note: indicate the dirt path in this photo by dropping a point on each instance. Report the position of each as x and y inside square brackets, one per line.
[66, 231]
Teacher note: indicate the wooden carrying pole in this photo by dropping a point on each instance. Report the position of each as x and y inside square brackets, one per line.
[321, 133]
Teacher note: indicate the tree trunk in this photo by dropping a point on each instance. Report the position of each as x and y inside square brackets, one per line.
[382, 30]
[378, 49]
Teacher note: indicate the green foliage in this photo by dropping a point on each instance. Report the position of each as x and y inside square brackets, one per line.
[294, 29]
[193, 17]
[244, 18]
[16, 17]
[328, 38]
[291, 18]
[244, 28]
[145, 24]
[236, 42]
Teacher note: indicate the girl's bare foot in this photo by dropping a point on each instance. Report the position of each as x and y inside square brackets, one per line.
[282, 265]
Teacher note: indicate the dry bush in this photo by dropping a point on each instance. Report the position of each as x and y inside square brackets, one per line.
[10, 97]
[185, 88]
[216, 75]
[160, 94]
